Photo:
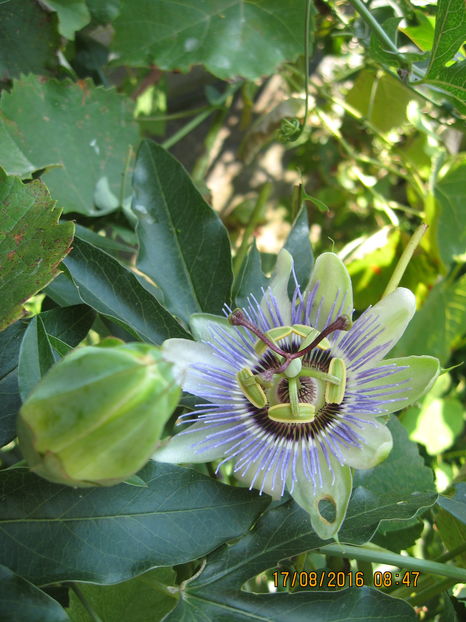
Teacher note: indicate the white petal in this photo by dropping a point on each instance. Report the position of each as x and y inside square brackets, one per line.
[185, 354]
[336, 488]
[278, 290]
[333, 291]
[376, 444]
[184, 447]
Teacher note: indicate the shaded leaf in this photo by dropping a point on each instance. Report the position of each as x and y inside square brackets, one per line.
[141, 599]
[250, 278]
[398, 535]
[35, 356]
[72, 15]
[10, 400]
[452, 80]
[451, 520]
[32, 243]
[104, 535]
[183, 245]
[28, 39]
[353, 604]
[20, 601]
[380, 51]
[299, 245]
[83, 132]
[113, 290]
[439, 324]
[245, 38]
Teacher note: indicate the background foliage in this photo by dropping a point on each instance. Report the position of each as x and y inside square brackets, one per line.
[165, 135]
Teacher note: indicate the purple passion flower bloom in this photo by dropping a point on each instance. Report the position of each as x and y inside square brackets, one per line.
[297, 396]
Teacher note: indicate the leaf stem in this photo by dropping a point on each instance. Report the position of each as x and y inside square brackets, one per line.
[380, 556]
[85, 603]
[250, 227]
[370, 20]
[405, 259]
[186, 129]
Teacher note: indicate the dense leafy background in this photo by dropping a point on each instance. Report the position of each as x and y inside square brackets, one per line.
[160, 133]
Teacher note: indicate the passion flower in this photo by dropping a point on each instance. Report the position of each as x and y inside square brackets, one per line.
[95, 418]
[297, 394]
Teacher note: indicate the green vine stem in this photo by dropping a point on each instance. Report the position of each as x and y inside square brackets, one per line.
[307, 24]
[405, 259]
[186, 129]
[252, 224]
[381, 556]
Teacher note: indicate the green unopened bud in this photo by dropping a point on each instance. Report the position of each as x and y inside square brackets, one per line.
[95, 418]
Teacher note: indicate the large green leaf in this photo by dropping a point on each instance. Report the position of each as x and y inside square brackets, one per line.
[28, 39]
[20, 601]
[248, 38]
[105, 535]
[10, 401]
[72, 15]
[439, 324]
[285, 531]
[32, 243]
[352, 605]
[113, 290]
[141, 599]
[83, 132]
[183, 245]
[451, 215]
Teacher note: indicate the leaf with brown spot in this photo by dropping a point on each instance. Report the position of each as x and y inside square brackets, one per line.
[32, 243]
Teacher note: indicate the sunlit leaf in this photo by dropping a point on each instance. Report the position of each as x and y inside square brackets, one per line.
[231, 38]
[72, 15]
[32, 243]
[451, 216]
[80, 133]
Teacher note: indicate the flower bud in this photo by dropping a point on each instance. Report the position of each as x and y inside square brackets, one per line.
[95, 418]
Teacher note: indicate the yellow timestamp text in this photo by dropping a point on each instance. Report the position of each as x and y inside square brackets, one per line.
[339, 579]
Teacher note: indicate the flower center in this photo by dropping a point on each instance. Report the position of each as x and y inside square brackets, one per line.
[289, 382]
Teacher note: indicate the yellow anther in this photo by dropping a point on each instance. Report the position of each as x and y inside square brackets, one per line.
[334, 393]
[283, 413]
[251, 388]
